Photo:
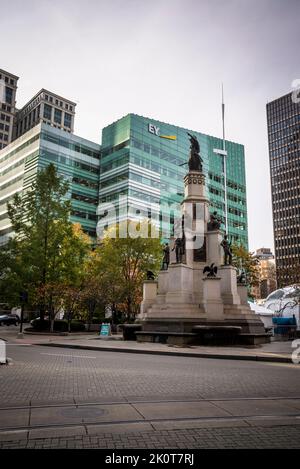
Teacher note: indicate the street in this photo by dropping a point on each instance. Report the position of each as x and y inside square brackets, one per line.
[64, 398]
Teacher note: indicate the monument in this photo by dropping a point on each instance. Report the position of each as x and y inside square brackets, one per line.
[197, 297]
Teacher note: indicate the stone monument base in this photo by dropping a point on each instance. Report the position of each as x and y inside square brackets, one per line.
[183, 331]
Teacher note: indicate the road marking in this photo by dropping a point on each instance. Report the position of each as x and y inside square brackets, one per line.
[64, 355]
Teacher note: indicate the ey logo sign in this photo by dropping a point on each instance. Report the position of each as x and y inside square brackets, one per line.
[153, 129]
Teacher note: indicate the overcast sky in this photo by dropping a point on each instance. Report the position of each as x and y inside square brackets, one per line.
[163, 59]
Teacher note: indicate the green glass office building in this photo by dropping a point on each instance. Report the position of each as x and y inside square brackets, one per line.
[143, 161]
[76, 159]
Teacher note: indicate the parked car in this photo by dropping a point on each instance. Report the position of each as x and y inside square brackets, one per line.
[8, 319]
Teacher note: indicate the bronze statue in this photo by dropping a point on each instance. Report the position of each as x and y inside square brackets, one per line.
[195, 160]
[242, 278]
[179, 249]
[226, 245]
[166, 258]
[214, 222]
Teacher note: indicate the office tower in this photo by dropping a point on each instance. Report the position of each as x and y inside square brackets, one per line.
[75, 158]
[143, 161]
[8, 89]
[283, 118]
[45, 107]
[266, 272]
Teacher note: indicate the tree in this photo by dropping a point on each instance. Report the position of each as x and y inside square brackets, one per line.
[121, 264]
[40, 220]
[244, 260]
[48, 251]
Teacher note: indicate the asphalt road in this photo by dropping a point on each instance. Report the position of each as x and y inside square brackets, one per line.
[79, 398]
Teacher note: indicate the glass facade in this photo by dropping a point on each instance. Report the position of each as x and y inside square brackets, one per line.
[144, 161]
[283, 116]
[75, 158]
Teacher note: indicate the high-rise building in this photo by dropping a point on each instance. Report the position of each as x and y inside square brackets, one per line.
[266, 272]
[76, 158]
[283, 118]
[45, 107]
[143, 161]
[8, 89]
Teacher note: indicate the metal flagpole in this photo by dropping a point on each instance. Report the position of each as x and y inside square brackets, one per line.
[224, 160]
[223, 153]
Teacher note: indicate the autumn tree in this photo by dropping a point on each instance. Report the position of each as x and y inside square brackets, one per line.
[47, 250]
[121, 264]
[246, 261]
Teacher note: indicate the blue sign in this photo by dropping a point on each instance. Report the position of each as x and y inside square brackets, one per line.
[105, 330]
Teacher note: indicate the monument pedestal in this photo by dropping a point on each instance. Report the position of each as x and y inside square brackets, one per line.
[180, 288]
[149, 295]
[213, 304]
[229, 285]
[243, 293]
[214, 249]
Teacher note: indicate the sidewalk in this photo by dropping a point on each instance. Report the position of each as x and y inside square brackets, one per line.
[279, 351]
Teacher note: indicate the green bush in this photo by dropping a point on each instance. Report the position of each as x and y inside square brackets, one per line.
[77, 326]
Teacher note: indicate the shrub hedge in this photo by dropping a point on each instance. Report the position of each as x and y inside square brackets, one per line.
[60, 325]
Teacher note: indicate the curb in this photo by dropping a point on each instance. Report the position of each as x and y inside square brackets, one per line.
[260, 358]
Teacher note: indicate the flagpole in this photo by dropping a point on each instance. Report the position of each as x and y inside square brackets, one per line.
[224, 160]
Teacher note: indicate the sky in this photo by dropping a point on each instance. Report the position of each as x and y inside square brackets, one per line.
[164, 59]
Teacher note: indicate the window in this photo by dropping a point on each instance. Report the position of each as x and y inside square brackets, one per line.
[67, 120]
[8, 94]
[47, 111]
[57, 116]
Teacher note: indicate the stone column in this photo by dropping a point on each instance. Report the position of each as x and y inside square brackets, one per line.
[214, 248]
[149, 296]
[229, 285]
[180, 283]
[243, 293]
[212, 299]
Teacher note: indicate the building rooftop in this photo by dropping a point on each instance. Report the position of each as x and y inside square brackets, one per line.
[43, 90]
[8, 73]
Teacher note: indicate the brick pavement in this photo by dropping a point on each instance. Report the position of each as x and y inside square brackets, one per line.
[245, 437]
[42, 375]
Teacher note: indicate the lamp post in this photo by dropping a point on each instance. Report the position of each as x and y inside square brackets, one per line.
[23, 301]
[223, 153]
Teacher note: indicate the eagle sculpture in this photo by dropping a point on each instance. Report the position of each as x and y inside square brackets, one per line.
[150, 275]
[211, 270]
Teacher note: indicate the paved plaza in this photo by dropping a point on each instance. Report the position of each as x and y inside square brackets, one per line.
[60, 397]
